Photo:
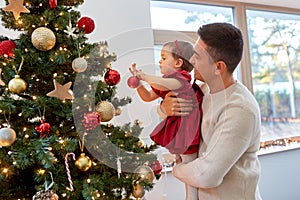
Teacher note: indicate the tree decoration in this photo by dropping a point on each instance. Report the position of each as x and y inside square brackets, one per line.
[46, 194]
[7, 136]
[79, 65]
[7, 48]
[43, 39]
[106, 110]
[156, 168]
[68, 170]
[70, 30]
[61, 92]
[83, 162]
[17, 85]
[112, 77]
[43, 129]
[52, 4]
[16, 7]
[91, 120]
[138, 190]
[87, 24]
[133, 82]
[144, 172]
[1, 81]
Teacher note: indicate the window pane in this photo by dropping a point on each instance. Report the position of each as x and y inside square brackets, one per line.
[275, 50]
[186, 16]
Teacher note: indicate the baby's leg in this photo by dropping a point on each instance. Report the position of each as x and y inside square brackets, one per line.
[191, 193]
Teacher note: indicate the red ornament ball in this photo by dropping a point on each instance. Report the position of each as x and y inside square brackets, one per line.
[133, 81]
[112, 77]
[156, 167]
[52, 4]
[7, 48]
[91, 120]
[87, 24]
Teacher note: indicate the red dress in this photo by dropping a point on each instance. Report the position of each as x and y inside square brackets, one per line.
[181, 134]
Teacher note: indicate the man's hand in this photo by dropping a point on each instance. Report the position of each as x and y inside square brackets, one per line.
[173, 106]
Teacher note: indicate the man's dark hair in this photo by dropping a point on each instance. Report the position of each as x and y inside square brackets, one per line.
[224, 42]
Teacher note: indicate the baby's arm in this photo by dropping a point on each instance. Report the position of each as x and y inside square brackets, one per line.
[146, 95]
[160, 83]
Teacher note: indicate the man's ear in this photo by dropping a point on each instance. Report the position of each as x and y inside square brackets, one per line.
[220, 67]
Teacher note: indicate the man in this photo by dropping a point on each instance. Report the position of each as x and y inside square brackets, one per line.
[227, 167]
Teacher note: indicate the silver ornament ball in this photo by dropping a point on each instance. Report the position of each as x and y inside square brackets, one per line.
[79, 65]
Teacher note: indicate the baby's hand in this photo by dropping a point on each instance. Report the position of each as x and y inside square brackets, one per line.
[133, 69]
[136, 72]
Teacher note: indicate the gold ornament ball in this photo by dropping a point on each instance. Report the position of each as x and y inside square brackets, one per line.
[138, 191]
[83, 163]
[79, 65]
[7, 136]
[145, 172]
[43, 39]
[106, 110]
[17, 85]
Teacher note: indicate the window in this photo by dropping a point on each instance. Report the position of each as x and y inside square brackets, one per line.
[274, 48]
[271, 67]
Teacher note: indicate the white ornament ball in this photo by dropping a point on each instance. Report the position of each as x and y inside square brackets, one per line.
[43, 39]
[7, 136]
[79, 65]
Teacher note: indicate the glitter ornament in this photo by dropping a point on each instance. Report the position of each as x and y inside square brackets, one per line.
[43, 129]
[43, 39]
[79, 65]
[156, 167]
[91, 120]
[87, 24]
[112, 77]
[144, 172]
[17, 85]
[133, 82]
[7, 136]
[45, 195]
[7, 48]
[106, 110]
[83, 162]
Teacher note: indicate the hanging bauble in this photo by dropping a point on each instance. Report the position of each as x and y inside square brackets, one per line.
[112, 77]
[133, 81]
[45, 194]
[156, 167]
[7, 48]
[91, 120]
[43, 39]
[144, 172]
[106, 110]
[17, 85]
[87, 24]
[138, 190]
[43, 129]
[7, 136]
[52, 4]
[83, 162]
[79, 65]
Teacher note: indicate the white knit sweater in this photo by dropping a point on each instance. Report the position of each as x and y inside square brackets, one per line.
[227, 167]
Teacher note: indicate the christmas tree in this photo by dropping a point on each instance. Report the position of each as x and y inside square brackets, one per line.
[57, 100]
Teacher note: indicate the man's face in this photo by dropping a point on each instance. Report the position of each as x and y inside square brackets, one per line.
[204, 67]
